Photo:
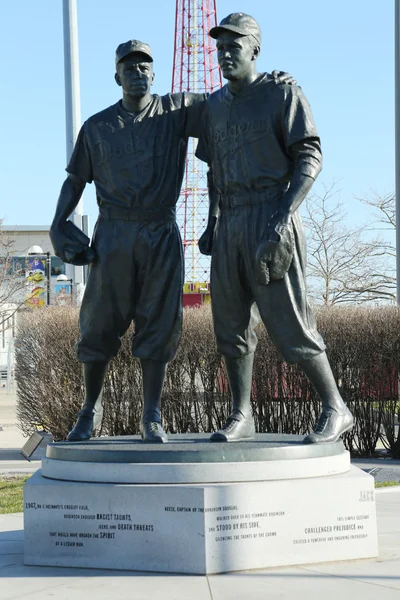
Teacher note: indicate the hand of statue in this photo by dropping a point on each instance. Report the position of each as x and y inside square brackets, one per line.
[71, 244]
[275, 253]
[278, 226]
[265, 254]
[206, 240]
[281, 77]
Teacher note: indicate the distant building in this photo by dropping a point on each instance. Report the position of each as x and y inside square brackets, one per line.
[25, 238]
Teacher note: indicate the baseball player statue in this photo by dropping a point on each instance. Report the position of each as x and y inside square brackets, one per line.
[263, 152]
[134, 152]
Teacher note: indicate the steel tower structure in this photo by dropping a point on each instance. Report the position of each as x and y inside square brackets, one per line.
[195, 70]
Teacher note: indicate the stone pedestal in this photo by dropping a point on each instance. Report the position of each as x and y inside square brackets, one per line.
[195, 507]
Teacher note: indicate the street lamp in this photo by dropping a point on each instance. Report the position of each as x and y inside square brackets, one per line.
[72, 111]
[397, 138]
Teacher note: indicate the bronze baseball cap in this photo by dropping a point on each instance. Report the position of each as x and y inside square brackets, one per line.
[239, 23]
[130, 47]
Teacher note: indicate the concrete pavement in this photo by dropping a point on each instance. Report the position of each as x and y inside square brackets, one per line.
[12, 439]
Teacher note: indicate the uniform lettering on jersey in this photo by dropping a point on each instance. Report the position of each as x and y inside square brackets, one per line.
[239, 133]
[142, 150]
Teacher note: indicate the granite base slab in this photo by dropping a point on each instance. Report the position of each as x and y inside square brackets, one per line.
[200, 528]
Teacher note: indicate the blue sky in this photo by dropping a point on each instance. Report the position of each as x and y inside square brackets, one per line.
[341, 52]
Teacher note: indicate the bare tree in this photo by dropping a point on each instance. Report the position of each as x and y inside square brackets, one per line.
[384, 214]
[345, 265]
[12, 283]
[384, 211]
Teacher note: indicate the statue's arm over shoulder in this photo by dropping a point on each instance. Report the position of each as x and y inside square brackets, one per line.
[193, 106]
[204, 154]
[283, 78]
[206, 240]
[213, 195]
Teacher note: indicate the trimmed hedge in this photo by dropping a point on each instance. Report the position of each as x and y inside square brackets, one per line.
[364, 350]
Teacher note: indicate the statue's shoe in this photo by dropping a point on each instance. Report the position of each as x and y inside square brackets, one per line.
[331, 425]
[83, 427]
[236, 429]
[153, 433]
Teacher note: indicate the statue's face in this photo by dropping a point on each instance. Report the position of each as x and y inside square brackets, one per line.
[135, 75]
[235, 54]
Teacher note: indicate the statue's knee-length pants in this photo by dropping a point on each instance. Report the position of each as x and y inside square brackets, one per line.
[235, 293]
[137, 276]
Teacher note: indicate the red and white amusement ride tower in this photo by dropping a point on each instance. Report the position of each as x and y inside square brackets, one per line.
[195, 70]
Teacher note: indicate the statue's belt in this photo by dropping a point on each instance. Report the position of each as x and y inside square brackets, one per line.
[166, 215]
[268, 195]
